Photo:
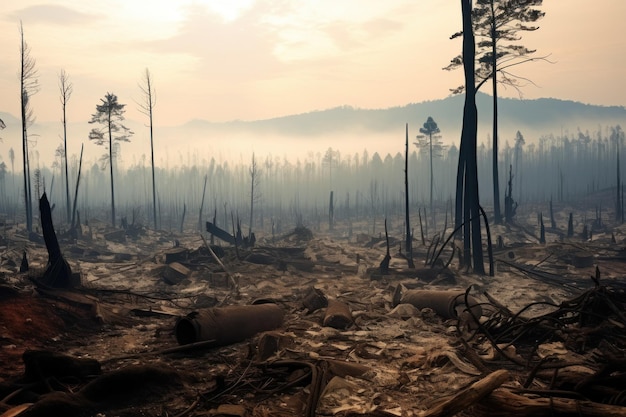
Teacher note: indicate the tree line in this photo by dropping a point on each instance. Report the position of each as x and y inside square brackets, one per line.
[564, 167]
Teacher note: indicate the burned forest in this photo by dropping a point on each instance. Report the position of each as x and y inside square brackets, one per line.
[327, 304]
[391, 283]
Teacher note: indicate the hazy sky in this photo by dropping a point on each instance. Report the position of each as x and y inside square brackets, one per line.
[252, 59]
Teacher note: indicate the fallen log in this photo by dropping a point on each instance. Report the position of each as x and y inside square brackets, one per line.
[504, 403]
[226, 325]
[469, 396]
[338, 315]
[445, 303]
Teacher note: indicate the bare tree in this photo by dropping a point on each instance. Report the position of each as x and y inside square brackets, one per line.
[409, 235]
[29, 85]
[65, 88]
[147, 107]
[110, 114]
[255, 179]
[617, 137]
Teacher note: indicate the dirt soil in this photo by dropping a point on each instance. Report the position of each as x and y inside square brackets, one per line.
[389, 359]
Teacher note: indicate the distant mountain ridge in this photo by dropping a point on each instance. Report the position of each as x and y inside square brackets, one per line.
[538, 114]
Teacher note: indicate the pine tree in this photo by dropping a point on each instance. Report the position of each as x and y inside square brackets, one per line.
[109, 114]
[435, 148]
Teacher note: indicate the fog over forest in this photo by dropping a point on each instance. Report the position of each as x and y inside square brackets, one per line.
[563, 151]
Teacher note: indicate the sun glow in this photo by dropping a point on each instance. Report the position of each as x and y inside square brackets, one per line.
[228, 10]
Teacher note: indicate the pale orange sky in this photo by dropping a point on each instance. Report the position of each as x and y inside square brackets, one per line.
[252, 59]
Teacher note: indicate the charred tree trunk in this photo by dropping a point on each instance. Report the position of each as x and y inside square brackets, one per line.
[468, 203]
[384, 264]
[509, 204]
[215, 223]
[494, 80]
[409, 236]
[552, 221]
[331, 212]
[419, 213]
[80, 166]
[58, 273]
[570, 225]
[202, 204]
[618, 201]
[182, 220]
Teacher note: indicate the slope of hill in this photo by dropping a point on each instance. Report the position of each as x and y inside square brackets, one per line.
[546, 115]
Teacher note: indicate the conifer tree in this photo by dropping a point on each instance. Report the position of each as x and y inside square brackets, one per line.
[110, 114]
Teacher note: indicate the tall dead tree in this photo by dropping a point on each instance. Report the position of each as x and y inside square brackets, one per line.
[29, 85]
[618, 201]
[254, 192]
[409, 236]
[206, 177]
[65, 88]
[617, 137]
[147, 107]
[80, 167]
[467, 198]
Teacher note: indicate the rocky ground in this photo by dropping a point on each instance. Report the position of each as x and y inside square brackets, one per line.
[551, 339]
